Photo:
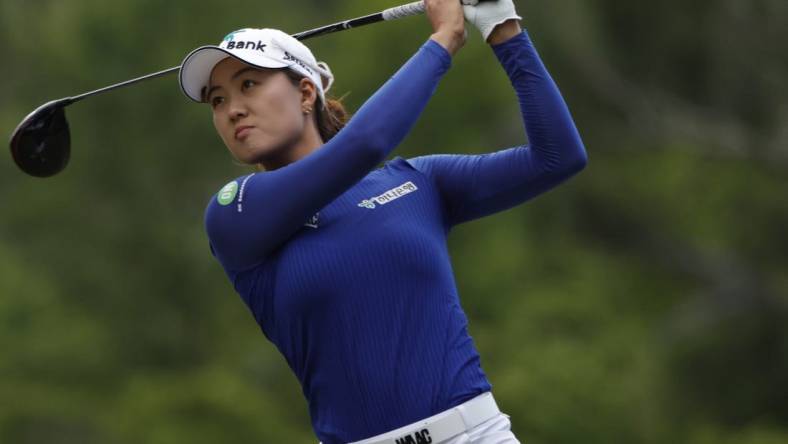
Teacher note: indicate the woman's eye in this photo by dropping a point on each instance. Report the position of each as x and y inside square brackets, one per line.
[216, 101]
[248, 84]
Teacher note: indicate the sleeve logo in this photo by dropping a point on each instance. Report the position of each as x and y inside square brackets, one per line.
[227, 193]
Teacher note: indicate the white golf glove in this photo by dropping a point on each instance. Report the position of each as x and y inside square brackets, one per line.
[487, 15]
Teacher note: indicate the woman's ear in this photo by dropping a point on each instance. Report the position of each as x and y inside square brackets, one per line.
[308, 93]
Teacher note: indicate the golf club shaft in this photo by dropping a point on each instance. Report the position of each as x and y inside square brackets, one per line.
[398, 12]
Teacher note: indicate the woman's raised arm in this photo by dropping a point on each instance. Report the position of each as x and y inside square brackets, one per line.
[474, 186]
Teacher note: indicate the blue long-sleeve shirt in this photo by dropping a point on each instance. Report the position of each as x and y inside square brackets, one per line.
[345, 267]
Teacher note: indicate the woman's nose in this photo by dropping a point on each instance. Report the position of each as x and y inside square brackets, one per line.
[237, 111]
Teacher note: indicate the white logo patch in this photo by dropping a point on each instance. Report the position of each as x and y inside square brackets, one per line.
[388, 196]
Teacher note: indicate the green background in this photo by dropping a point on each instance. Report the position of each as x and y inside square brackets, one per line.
[645, 301]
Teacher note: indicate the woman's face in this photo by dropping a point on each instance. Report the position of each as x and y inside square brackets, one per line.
[257, 112]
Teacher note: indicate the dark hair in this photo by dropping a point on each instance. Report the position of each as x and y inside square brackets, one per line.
[330, 119]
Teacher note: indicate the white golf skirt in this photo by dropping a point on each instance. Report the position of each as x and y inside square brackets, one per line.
[494, 431]
[477, 421]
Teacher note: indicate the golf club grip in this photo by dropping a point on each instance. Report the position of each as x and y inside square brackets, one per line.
[408, 10]
[402, 11]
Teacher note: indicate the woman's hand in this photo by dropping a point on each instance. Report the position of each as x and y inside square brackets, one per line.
[497, 21]
[448, 23]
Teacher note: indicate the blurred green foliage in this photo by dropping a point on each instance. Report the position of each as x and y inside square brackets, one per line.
[645, 301]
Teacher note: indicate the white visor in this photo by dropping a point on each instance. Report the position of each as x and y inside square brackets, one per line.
[261, 48]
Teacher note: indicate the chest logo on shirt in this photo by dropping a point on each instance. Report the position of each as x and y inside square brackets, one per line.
[390, 195]
[312, 222]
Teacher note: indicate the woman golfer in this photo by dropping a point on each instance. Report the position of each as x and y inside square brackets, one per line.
[344, 266]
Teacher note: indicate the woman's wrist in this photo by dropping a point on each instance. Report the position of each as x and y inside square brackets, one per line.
[452, 41]
[505, 32]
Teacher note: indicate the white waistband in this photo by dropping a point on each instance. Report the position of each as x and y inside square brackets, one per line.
[442, 426]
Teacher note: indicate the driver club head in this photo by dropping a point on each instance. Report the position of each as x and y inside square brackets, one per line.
[41, 144]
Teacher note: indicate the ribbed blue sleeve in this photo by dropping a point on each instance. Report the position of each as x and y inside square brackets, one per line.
[473, 186]
[271, 206]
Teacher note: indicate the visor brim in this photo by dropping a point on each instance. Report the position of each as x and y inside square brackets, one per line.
[196, 69]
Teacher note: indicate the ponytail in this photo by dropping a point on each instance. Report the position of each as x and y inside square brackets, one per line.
[330, 119]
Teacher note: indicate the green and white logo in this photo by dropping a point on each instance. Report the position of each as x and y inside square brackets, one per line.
[229, 37]
[227, 194]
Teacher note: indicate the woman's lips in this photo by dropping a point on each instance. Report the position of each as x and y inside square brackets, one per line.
[242, 131]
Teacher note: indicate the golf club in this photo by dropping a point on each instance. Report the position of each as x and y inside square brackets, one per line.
[41, 143]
